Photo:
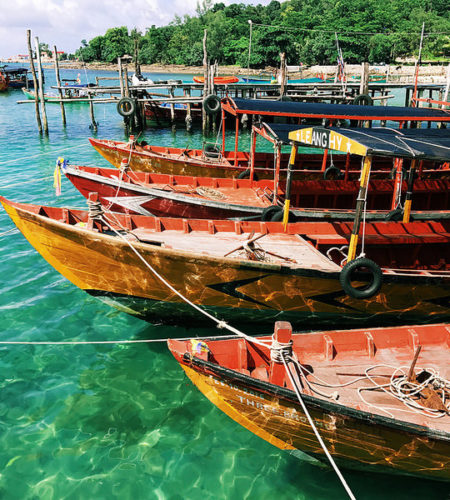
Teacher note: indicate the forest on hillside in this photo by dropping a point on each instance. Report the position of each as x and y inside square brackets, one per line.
[305, 30]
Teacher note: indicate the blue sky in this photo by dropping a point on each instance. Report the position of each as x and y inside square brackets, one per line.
[67, 22]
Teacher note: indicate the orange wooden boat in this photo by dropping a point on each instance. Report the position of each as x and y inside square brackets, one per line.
[165, 195]
[218, 80]
[350, 381]
[244, 271]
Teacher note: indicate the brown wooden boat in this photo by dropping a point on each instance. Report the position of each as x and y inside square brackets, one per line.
[221, 198]
[339, 376]
[252, 272]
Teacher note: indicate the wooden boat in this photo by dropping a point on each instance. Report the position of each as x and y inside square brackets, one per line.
[217, 162]
[159, 115]
[218, 80]
[244, 271]
[69, 95]
[4, 80]
[165, 195]
[18, 77]
[338, 375]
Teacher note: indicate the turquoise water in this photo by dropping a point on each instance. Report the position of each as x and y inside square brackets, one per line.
[116, 421]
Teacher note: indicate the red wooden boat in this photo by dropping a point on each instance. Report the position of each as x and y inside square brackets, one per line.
[165, 195]
[246, 271]
[218, 80]
[356, 385]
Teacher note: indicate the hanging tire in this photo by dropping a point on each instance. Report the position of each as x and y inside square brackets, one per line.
[211, 151]
[126, 107]
[365, 268]
[394, 215]
[332, 173]
[363, 99]
[246, 175]
[269, 212]
[211, 104]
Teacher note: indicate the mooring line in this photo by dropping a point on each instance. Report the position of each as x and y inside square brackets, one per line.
[26, 182]
[9, 231]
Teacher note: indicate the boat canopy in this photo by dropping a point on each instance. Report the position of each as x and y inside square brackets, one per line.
[14, 71]
[332, 111]
[430, 144]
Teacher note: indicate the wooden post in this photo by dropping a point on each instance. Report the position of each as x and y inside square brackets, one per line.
[41, 86]
[137, 69]
[119, 63]
[188, 111]
[282, 74]
[236, 141]
[58, 82]
[91, 110]
[364, 85]
[172, 107]
[33, 72]
[205, 82]
[125, 78]
[360, 203]
[283, 335]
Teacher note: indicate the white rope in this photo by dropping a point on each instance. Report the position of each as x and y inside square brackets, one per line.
[316, 432]
[219, 323]
[14, 229]
[27, 182]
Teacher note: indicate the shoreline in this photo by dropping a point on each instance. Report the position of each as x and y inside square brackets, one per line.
[429, 73]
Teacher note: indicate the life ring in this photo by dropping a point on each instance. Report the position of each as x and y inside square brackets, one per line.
[363, 99]
[365, 266]
[211, 104]
[126, 106]
[245, 174]
[332, 172]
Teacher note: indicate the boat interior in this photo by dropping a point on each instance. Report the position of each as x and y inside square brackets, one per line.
[349, 367]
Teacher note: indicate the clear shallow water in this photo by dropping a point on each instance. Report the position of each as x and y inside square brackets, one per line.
[116, 421]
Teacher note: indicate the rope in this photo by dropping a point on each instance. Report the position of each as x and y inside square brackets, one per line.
[27, 182]
[14, 229]
[316, 432]
[219, 323]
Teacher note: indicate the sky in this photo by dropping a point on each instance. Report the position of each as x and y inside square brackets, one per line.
[65, 23]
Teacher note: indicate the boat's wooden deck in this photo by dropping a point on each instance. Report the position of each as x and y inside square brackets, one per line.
[280, 248]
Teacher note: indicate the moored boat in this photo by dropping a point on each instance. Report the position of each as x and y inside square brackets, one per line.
[218, 80]
[250, 272]
[164, 195]
[379, 398]
[69, 95]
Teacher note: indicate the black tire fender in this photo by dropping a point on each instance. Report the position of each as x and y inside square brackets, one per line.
[332, 172]
[245, 174]
[363, 99]
[211, 104]
[126, 106]
[394, 215]
[269, 212]
[353, 266]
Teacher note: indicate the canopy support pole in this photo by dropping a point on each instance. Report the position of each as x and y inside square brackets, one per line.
[236, 141]
[324, 160]
[409, 192]
[397, 183]
[276, 182]
[347, 166]
[252, 154]
[360, 205]
[223, 131]
[287, 199]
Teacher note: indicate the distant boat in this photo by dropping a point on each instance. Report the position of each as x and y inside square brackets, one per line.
[219, 80]
[18, 78]
[73, 95]
[356, 386]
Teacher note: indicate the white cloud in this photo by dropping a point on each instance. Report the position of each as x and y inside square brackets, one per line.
[65, 23]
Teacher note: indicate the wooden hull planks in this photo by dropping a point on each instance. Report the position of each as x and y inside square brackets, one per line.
[194, 262]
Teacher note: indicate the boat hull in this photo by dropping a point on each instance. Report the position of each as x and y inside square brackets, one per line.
[357, 443]
[233, 289]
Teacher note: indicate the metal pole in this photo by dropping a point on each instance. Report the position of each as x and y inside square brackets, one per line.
[287, 198]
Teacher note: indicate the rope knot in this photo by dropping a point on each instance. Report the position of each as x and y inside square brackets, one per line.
[95, 209]
[280, 350]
